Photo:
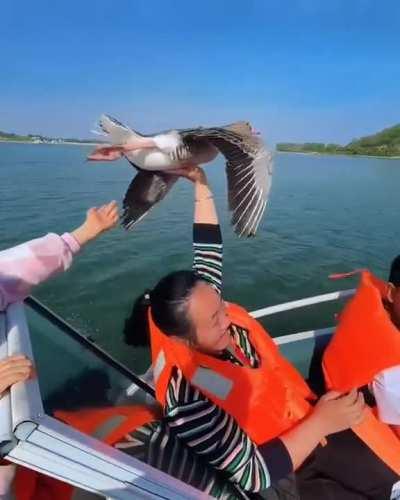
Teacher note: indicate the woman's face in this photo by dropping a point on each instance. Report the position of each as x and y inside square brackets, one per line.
[207, 312]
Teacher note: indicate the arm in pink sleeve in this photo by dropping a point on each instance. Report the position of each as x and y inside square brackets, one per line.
[33, 262]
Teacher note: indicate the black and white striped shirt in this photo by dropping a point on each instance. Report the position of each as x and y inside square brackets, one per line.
[207, 429]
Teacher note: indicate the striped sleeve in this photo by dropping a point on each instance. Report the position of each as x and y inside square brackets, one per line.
[154, 444]
[207, 250]
[215, 436]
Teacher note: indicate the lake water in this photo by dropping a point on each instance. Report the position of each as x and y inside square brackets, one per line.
[326, 214]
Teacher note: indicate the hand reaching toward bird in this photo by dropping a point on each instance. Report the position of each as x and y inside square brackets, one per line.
[98, 220]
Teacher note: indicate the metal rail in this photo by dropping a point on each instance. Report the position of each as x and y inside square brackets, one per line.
[89, 344]
[295, 304]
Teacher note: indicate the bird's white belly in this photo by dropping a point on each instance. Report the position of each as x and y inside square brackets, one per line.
[152, 159]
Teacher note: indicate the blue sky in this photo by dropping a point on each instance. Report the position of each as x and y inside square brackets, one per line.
[298, 69]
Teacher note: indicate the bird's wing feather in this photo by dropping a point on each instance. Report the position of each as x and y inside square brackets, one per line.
[145, 190]
[248, 168]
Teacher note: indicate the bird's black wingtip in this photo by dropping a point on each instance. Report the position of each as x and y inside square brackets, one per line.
[246, 234]
[125, 222]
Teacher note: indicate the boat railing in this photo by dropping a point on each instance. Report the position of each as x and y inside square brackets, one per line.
[300, 304]
[30, 436]
[88, 343]
[296, 304]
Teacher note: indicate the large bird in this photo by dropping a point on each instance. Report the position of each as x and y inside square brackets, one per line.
[248, 166]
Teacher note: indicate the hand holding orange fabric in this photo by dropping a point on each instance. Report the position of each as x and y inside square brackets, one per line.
[335, 412]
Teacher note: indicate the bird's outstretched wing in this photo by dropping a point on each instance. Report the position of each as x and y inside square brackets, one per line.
[248, 169]
[146, 189]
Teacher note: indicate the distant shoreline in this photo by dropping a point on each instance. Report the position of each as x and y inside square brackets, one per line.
[302, 153]
[61, 143]
[347, 155]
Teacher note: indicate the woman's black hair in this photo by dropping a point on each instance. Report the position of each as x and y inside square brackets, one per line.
[168, 301]
[394, 276]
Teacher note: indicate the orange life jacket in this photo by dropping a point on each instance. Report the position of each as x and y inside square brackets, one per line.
[265, 401]
[32, 485]
[365, 342]
[107, 424]
[110, 424]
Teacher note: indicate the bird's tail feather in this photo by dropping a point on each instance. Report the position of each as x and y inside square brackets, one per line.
[115, 131]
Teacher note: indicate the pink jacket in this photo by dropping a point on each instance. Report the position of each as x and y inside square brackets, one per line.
[33, 262]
